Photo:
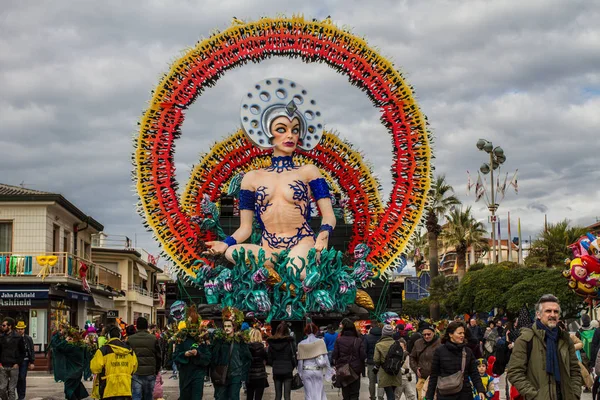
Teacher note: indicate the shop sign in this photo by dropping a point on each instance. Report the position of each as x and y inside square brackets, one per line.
[20, 294]
[112, 314]
[15, 302]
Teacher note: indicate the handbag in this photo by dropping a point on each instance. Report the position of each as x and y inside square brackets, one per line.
[297, 382]
[218, 374]
[296, 379]
[453, 384]
[345, 375]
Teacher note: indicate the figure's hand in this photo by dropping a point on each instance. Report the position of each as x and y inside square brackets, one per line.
[194, 352]
[321, 242]
[215, 248]
[31, 366]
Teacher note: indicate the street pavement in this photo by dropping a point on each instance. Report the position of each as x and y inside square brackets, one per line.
[41, 385]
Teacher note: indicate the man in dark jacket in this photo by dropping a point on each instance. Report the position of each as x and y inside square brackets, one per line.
[12, 354]
[421, 356]
[147, 350]
[370, 341]
[28, 361]
[543, 364]
[476, 330]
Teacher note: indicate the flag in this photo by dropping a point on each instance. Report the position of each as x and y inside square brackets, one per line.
[513, 182]
[503, 187]
[508, 242]
[479, 189]
[469, 183]
[499, 242]
[520, 243]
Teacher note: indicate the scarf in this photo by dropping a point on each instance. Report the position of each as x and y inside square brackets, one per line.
[551, 338]
[311, 347]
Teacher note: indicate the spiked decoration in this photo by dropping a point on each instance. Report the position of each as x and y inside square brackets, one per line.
[386, 232]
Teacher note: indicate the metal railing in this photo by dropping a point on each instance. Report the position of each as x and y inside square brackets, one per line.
[139, 289]
[67, 265]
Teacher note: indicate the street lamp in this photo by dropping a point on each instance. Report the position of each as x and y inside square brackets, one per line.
[497, 158]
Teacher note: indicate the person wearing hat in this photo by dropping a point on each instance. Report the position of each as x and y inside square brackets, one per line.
[421, 356]
[388, 382]
[28, 361]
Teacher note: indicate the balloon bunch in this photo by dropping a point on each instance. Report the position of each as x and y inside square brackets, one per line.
[584, 269]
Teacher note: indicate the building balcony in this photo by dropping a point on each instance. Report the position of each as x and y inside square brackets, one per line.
[66, 266]
[140, 295]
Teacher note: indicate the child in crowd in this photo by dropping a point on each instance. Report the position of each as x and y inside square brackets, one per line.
[486, 380]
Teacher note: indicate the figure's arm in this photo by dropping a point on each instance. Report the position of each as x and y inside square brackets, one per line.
[247, 199]
[575, 371]
[320, 192]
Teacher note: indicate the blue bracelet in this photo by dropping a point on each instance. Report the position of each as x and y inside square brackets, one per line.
[326, 227]
[247, 199]
[319, 189]
[230, 241]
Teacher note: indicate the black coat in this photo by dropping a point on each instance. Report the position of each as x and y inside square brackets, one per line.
[349, 349]
[257, 366]
[280, 355]
[370, 341]
[447, 360]
[12, 349]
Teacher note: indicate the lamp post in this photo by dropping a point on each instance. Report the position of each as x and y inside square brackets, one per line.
[497, 158]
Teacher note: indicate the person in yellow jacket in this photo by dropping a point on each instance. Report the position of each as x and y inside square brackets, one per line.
[113, 364]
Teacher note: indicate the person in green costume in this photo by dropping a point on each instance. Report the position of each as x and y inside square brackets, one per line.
[230, 348]
[69, 360]
[192, 355]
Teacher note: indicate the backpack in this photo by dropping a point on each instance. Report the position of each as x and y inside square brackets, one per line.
[392, 365]
[586, 337]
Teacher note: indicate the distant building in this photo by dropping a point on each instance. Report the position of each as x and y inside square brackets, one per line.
[138, 269]
[45, 248]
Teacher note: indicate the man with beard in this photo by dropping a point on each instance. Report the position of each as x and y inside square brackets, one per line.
[543, 364]
[421, 356]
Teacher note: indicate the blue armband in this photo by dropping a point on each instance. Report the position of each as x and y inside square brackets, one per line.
[247, 199]
[319, 189]
[230, 241]
[326, 228]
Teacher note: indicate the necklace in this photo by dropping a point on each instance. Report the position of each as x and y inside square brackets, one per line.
[281, 163]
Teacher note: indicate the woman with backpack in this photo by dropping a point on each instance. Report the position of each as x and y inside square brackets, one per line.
[453, 365]
[349, 357]
[388, 378]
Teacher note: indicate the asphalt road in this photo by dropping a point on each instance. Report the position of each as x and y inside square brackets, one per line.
[42, 386]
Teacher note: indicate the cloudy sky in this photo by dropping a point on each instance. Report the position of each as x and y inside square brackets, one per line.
[75, 77]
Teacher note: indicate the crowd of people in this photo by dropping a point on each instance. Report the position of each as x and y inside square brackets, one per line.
[457, 360]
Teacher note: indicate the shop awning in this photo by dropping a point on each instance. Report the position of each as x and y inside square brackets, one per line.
[103, 302]
[71, 294]
[142, 270]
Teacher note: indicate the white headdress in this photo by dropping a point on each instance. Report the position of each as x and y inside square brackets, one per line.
[275, 97]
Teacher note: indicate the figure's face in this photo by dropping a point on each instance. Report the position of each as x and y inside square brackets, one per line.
[580, 271]
[481, 368]
[228, 328]
[499, 324]
[286, 134]
[549, 314]
[473, 322]
[458, 336]
[21, 332]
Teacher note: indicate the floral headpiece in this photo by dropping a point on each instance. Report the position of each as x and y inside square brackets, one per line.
[234, 315]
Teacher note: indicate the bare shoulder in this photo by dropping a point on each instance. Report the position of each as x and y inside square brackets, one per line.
[250, 179]
[310, 172]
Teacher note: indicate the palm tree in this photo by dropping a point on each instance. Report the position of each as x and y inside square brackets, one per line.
[418, 248]
[462, 231]
[550, 249]
[441, 200]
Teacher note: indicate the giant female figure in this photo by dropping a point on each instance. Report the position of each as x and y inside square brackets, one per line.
[278, 113]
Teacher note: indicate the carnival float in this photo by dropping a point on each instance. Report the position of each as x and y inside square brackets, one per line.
[282, 167]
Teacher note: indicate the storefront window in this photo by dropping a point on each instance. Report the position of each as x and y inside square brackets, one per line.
[59, 314]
